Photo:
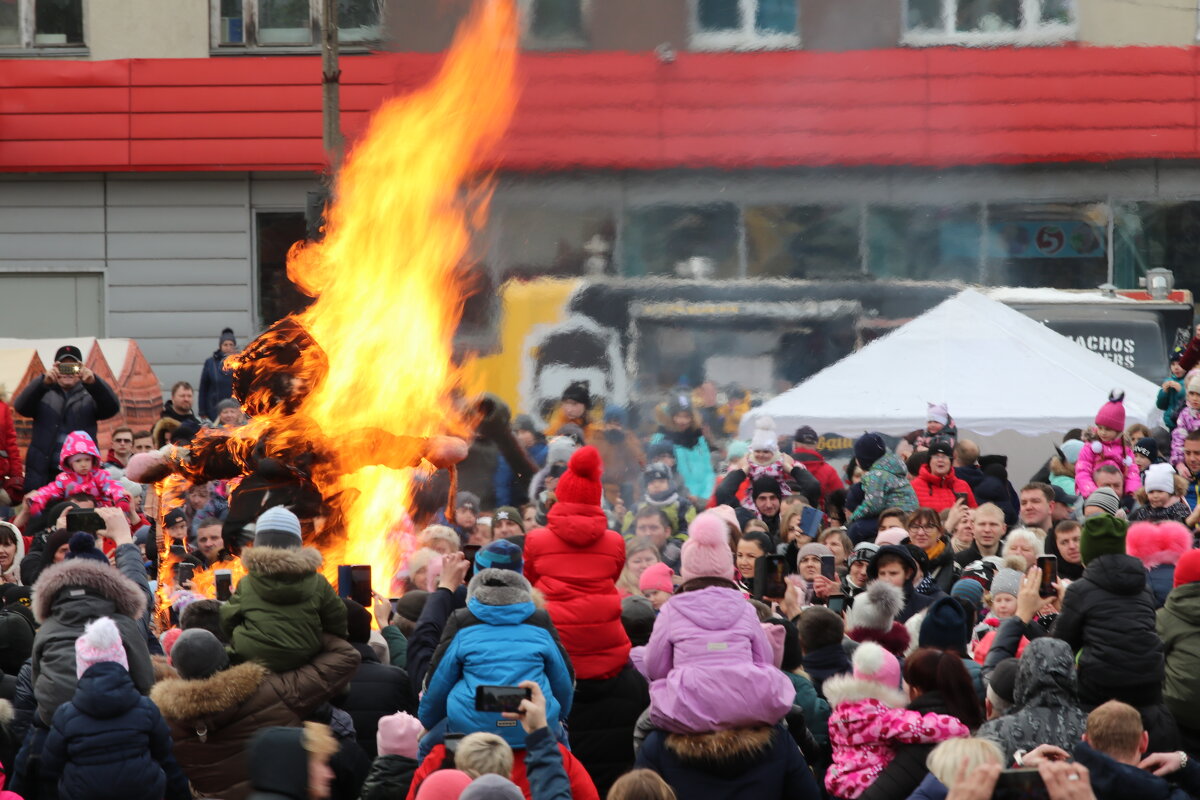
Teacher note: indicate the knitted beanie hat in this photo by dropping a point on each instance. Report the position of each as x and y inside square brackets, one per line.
[1112, 414]
[813, 549]
[868, 449]
[764, 437]
[83, 545]
[277, 527]
[706, 553]
[726, 513]
[1105, 499]
[1102, 534]
[1188, 568]
[500, 554]
[945, 626]
[398, 735]
[1007, 581]
[968, 589]
[443, 783]
[890, 536]
[581, 482]
[100, 641]
[937, 412]
[657, 577]
[872, 663]
[197, 654]
[492, 787]
[1160, 478]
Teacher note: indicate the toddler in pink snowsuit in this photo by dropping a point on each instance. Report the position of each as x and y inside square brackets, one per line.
[709, 663]
[81, 473]
[1107, 443]
[869, 719]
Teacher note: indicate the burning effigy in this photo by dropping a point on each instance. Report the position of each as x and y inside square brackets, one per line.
[351, 399]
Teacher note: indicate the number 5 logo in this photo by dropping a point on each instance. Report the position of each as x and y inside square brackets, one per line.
[1050, 239]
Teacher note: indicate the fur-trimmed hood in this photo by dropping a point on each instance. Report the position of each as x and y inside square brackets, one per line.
[848, 689]
[895, 640]
[179, 699]
[281, 561]
[720, 748]
[499, 587]
[1158, 544]
[93, 578]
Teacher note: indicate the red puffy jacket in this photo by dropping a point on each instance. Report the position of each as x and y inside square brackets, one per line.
[939, 493]
[582, 787]
[575, 562]
[12, 469]
[822, 470]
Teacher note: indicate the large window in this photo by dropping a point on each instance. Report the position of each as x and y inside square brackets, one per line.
[682, 241]
[553, 240]
[803, 241]
[1149, 235]
[295, 23]
[554, 23]
[1059, 245]
[745, 24]
[41, 23]
[275, 233]
[924, 242]
[989, 22]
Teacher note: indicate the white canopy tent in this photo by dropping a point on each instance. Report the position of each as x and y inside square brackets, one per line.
[999, 372]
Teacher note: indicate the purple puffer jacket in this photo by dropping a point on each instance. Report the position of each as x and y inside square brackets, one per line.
[710, 666]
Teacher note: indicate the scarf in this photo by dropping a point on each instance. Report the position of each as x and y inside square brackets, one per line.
[936, 551]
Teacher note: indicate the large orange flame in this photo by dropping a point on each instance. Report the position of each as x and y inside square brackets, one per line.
[389, 282]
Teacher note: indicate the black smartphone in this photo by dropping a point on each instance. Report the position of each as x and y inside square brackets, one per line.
[184, 572]
[354, 581]
[829, 567]
[500, 698]
[224, 583]
[1020, 784]
[469, 551]
[84, 520]
[960, 496]
[836, 603]
[770, 573]
[1049, 567]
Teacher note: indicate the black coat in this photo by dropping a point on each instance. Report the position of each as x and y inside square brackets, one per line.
[949, 568]
[110, 741]
[376, 690]
[55, 413]
[216, 384]
[763, 764]
[389, 778]
[906, 771]
[602, 719]
[1109, 615]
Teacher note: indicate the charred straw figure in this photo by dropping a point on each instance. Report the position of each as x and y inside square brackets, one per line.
[277, 462]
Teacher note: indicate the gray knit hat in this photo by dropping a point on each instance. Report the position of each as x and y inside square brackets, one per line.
[1104, 498]
[1007, 581]
[197, 654]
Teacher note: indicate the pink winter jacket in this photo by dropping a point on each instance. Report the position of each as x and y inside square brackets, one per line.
[868, 720]
[1187, 421]
[711, 667]
[1114, 452]
[97, 483]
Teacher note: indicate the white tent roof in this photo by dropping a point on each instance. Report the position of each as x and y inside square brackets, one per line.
[995, 368]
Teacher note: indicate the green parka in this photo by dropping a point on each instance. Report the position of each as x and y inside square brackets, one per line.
[1179, 628]
[281, 608]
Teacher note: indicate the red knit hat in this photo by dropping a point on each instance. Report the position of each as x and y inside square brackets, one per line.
[581, 482]
[1112, 414]
[1188, 568]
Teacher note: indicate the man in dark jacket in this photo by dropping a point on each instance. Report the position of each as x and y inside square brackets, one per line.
[494, 440]
[1108, 619]
[376, 690]
[216, 382]
[69, 397]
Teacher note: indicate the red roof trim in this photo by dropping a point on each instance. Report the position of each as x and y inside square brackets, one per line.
[935, 107]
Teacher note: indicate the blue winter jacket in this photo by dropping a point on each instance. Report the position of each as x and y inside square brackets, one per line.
[110, 741]
[693, 461]
[507, 494]
[496, 644]
[216, 384]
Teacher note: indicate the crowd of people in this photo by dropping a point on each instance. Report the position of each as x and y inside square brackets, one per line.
[629, 609]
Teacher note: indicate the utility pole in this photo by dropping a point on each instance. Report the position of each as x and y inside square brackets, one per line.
[330, 85]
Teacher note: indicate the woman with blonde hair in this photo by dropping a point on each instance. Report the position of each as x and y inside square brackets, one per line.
[947, 759]
[641, 784]
[640, 553]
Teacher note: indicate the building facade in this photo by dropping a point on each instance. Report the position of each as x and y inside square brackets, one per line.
[155, 159]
